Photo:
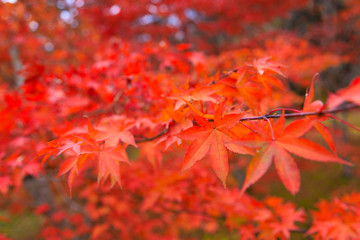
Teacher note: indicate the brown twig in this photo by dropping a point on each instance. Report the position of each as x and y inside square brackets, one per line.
[225, 75]
[266, 117]
[145, 139]
[304, 114]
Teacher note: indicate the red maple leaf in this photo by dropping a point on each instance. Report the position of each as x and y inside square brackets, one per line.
[350, 93]
[316, 106]
[108, 158]
[263, 65]
[213, 138]
[287, 140]
[265, 69]
[113, 129]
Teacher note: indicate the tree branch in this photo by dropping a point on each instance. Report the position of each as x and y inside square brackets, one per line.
[17, 66]
[145, 139]
[266, 117]
[225, 75]
[304, 114]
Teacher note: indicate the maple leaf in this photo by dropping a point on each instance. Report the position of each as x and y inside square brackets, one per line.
[74, 146]
[47, 152]
[277, 150]
[73, 164]
[350, 93]
[162, 188]
[114, 129]
[263, 65]
[278, 219]
[316, 106]
[265, 80]
[213, 138]
[198, 93]
[338, 219]
[309, 104]
[151, 153]
[171, 136]
[108, 158]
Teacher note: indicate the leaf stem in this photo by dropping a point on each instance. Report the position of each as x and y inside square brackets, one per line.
[271, 128]
[227, 74]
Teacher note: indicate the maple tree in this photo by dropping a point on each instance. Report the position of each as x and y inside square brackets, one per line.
[162, 119]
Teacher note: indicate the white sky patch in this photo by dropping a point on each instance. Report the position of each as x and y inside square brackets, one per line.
[191, 14]
[60, 4]
[49, 47]
[152, 9]
[79, 3]
[146, 19]
[173, 20]
[33, 25]
[70, 2]
[66, 16]
[115, 9]
[9, 1]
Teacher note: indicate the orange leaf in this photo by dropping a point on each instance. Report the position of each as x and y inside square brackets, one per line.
[287, 140]
[263, 64]
[114, 129]
[258, 166]
[212, 138]
[325, 133]
[287, 170]
[350, 93]
[310, 150]
[67, 165]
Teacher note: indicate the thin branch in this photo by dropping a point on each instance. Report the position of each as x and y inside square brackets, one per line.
[145, 139]
[266, 117]
[343, 121]
[304, 114]
[227, 74]
[300, 230]
[282, 109]
[16, 64]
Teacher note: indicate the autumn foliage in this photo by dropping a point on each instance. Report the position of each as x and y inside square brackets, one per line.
[177, 119]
